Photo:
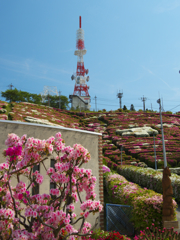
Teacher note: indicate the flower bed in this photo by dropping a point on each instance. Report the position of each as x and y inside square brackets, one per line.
[146, 177]
[3, 110]
[147, 204]
[22, 110]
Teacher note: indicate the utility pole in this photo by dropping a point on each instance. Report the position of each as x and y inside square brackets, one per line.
[119, 95]
[10, 86]
[48, 99]
[10, 89]
[59, 99]
[95, 103]
[162, 105]
[151, 107]
[144, 99]
[164, 150]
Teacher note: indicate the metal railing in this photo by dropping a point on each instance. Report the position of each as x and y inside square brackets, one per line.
[118, 219]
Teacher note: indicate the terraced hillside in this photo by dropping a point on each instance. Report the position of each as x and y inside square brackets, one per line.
[133, 131]
[128, 148]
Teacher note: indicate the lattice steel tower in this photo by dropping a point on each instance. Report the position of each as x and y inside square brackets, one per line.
[81, 87]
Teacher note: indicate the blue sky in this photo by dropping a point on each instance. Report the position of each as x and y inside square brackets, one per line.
[132, 46]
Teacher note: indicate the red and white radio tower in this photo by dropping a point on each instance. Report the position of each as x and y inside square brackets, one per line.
[80, 88]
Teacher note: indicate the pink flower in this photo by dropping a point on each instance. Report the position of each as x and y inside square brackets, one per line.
[34, 214]
[86, 214]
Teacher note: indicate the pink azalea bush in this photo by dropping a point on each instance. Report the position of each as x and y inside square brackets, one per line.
[49, 215]
[147, 204]
[3, 117]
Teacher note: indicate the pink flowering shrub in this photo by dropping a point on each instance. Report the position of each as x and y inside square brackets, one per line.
[49, 215]
[105, 169]
[3, 117]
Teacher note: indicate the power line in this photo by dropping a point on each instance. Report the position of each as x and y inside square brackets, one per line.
[174, 107]
[109, 100]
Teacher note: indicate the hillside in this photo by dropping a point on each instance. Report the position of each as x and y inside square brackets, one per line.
[132, 130]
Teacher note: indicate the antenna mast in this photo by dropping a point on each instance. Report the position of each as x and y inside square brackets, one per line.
[119, 95]
[144, 99]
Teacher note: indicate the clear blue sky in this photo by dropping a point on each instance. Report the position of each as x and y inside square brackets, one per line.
[132, 46]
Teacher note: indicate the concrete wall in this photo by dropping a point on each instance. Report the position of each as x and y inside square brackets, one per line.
[77, 102]
[90, 140]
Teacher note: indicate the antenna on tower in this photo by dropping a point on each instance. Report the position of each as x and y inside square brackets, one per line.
[79, 21]
[81, 88]
[46, 91]
[119, 95]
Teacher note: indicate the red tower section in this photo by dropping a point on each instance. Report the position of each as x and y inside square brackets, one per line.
[80, 88]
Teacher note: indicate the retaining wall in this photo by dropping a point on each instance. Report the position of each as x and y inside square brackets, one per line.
[90, 140]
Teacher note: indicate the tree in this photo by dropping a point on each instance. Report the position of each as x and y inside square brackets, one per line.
[124, 108]
[45, 216]
[15, 95]
[54, 101]
[21, 96]
[132, 107]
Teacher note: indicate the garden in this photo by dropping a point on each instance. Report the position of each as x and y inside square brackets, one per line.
[130, 177]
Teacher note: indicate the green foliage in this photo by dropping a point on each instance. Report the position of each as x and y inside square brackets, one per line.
[132, 108]
[98, 233]
[124, 108]
[21, 96]
[168, 112]
[160, 164]
[154, 233]
[54, 101]
[178, 164]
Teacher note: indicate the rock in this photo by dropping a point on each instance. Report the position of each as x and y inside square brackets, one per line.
[127, 133]
[133, 125]
[40, 121]
[165, 125]
[138, 132]
[145, 144]
[118, 131]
